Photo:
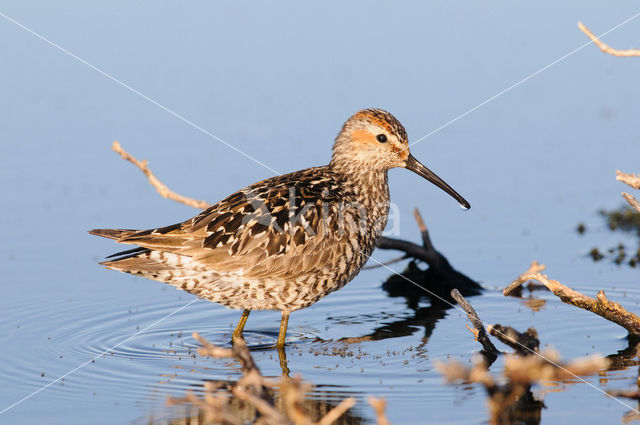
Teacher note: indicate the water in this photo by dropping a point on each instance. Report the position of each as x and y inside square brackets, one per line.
[277, 82]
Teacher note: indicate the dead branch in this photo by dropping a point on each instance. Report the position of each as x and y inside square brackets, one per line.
[606, 48]
[632, 201]
[601, 306]
[426, 240]
[535, 267]
[525, 343]
[632, 180]
[163, 190]
[480, 332]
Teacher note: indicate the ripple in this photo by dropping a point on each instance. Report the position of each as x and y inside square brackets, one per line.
[114, 347]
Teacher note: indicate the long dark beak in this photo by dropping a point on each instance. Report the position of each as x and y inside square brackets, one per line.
[415, 166]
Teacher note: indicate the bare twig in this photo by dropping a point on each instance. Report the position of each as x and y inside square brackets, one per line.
[606, 48]
[535, 267]
[480, 333]
[601, 306]
[426, 240]
[632, 201]
[632, 180]
[163, 190]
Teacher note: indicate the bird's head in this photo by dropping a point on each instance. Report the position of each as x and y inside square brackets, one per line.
[374, 140]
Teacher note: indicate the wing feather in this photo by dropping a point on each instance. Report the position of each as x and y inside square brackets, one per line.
[250, 231]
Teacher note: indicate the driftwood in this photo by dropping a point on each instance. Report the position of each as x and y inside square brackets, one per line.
[606, 48]
[601, 306]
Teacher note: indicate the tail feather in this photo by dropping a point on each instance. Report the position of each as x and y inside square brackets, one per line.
[113, 233]
[123, 255]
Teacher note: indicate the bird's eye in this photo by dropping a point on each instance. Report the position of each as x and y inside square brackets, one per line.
[382, 138]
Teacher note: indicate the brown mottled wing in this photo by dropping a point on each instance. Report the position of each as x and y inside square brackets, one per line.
[250, 231]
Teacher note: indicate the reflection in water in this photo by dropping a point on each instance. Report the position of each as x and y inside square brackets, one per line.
[627, 357]
[315, 405]
[416, 285]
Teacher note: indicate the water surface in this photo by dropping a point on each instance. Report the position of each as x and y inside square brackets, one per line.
[277, 82]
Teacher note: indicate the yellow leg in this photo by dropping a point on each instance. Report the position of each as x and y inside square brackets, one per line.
[243, 320]
[283, 329]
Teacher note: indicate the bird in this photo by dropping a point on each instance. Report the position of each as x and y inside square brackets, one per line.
[285, 242]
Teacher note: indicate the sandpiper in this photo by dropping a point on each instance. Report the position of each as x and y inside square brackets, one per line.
[285, 242]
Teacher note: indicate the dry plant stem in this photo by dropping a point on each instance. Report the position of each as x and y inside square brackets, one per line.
[601, 306]
[632, 201]
[379, 405]
[604, 47]
[481, 333]
[632, 180]
[163, 190]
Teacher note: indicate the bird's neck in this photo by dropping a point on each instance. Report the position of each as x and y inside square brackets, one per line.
[368, 189]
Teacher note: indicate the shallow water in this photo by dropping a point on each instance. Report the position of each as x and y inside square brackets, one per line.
[277, 82]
